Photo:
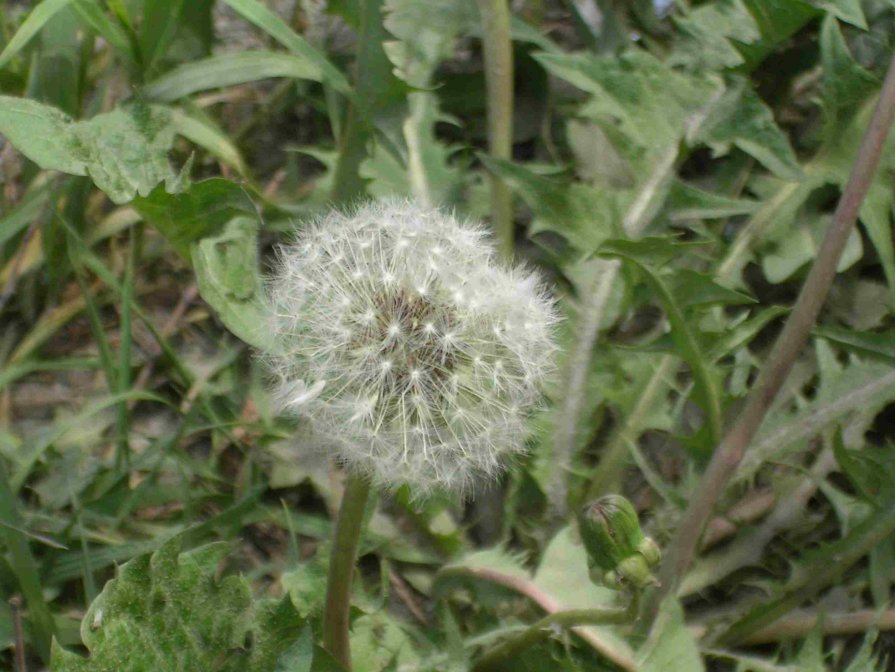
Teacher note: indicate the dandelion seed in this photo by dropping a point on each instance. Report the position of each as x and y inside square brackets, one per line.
[430, 368]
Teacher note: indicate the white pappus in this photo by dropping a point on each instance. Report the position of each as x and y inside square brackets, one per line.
[405, 341]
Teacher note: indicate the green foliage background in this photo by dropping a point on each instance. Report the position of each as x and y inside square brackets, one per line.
[675, 167]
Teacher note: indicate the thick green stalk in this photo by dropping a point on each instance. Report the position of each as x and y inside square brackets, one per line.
[341, 568]
[497, 46]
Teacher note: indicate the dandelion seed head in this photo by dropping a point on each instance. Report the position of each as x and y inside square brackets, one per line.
[430, 369]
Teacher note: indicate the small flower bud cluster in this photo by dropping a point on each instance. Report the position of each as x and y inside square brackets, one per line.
[402, 339]
[619, 554]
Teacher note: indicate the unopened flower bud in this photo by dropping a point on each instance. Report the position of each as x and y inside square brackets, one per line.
[618, 552]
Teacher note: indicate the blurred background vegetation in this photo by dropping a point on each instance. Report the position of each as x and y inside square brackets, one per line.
[699, 147]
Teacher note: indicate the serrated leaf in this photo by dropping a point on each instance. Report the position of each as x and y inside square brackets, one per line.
[845, 82]
[652, 250]
[226, 267]
[641, 103]
[200, 210]
[277, 631]
[877, 345]
[847, 10]
[741, 119]
[581, 214]
[125, 151]
[707, 392]
[700, 289]
[710, 32]
[670, 645]
[822, 566]
[165, 611]
[686, 201]
[777, 21]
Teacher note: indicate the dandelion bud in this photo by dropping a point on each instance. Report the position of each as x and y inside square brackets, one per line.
[618, 552]
[403, 340]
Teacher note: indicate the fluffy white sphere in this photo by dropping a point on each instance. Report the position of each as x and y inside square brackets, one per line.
[403, 339]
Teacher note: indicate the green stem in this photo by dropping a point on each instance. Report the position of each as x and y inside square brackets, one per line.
[505, 651]
[497, 45]
[341, 568]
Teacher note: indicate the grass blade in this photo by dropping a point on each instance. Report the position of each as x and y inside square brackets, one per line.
[229, 69]
[31, 27]
[273, 25]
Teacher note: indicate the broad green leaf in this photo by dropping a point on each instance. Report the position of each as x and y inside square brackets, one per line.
[709, 34]
[583, 215]
[198, 211]
[125, 152]
[42, 12]
[42, 133]
[170, 612]
[741, 119]
[273, 25]
[563, 574]
[226, 267]
[165, 611]
[670, 645]
[228, 69]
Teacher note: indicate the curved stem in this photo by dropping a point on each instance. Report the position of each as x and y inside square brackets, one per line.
[493, 658]
[790, 342]
[498, 51]
[341, 568]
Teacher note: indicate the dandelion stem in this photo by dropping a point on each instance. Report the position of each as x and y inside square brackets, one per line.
[789, 344]
[341, 568]
[498, 51]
